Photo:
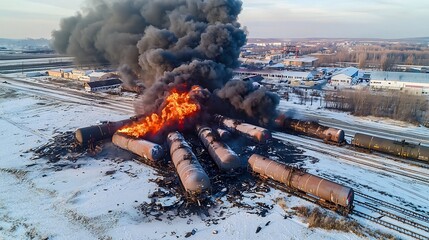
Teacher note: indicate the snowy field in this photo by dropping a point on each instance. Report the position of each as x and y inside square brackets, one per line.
[98, 197]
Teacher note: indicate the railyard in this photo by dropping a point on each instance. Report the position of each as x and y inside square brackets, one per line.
[398, 173]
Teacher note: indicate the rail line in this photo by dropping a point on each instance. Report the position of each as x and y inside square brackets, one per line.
[390, 225]
[355, 212]
[424, 218]
[343, 156]
[391, 215]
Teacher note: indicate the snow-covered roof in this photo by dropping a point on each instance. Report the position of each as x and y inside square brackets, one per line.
[96, 74]
[275, 72]
[349, 71]
[400, 76]
[305, 59]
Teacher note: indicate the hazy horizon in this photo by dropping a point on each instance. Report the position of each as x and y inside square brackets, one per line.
[263, 19]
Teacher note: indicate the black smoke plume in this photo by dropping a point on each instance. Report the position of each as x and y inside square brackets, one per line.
[162, 44]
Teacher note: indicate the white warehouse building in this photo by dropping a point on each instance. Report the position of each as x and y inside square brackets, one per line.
[344, 77]
[412, 83]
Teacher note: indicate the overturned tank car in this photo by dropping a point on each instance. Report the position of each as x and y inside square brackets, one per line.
[256, 133]
[325, 192]
[89, 135]
[193, 177]
[226, 159]
[141, 147]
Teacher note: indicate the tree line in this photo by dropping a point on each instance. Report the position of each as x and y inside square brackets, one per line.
[395, 105]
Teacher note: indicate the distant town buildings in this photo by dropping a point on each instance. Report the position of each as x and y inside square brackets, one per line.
[103, 85]
[344, 77]
[412, 83]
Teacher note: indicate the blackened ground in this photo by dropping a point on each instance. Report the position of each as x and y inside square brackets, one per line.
[169, 201]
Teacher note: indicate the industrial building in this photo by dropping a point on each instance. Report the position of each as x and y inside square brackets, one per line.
[104, 85]
[292, 78]
[412, 83]
[344, 77]
[301, 61]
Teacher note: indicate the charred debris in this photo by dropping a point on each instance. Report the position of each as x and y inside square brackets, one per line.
[210, 164]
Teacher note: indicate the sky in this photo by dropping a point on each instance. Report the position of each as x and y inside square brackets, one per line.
[262, 18]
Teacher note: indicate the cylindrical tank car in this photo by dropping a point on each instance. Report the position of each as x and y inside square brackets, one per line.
[397, 148]
[324, 190]
[92, 134]
[311, 128]
[224, 157]
[143, 148]
[256, 133]
[193, 177]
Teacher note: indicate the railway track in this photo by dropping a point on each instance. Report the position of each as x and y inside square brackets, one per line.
[409, 217]
[362, 160]
[421, 217]
[373, 208]
[390, 225]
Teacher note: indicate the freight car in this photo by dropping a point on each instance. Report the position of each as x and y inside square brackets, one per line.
[193, 177]
[226, 159]
[311, 128]
[392, 147]
[143, 148]
[256, 133]
[89, 135]
[325, 192]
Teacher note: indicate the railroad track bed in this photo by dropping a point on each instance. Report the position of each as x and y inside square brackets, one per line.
[355, 157]
[402, 220]
[383, 213]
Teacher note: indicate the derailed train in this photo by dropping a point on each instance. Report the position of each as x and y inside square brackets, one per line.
[195, 180]
[325, 192]
[392, 147]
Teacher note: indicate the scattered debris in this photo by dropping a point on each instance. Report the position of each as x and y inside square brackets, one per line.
[60, 147]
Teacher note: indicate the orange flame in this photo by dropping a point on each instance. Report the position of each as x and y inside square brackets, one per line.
[178, 106]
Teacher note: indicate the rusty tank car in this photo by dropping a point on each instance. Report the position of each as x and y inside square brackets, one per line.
[311, 128]
[392, 147]
[226, 159]
[193, 177]
[141, 147]
[89, 135]
[256, 133]
[327, 193]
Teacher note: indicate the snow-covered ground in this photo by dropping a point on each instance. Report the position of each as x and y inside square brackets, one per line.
[97, 197]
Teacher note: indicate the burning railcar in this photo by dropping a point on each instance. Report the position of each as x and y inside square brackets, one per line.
[89, 135]
[311, 128]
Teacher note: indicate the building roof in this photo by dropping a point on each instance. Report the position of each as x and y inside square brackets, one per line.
[108, 82]
[276, 72]
[305, 59]
[400, 76]
[96, 74]
[349, 71]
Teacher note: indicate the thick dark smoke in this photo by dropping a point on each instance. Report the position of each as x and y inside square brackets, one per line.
[163, 44]
[258, 104]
